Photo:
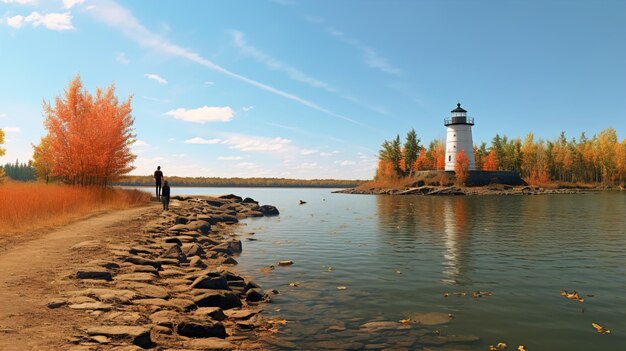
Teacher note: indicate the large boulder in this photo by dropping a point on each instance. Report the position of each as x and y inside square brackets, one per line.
[196, 328]
[143, 261]
[218, 298]
[269, 210]
[97, 274]
[210, 282]
[139, 336]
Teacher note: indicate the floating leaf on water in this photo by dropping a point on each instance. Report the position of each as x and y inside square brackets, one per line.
[398, 272]
[573, 295]
[341, 287]
[522, 348]
[294, 284]
[329, 269]
[405, 321]
[446, 294]
[285, 263]
[600, 329]
[498, 347]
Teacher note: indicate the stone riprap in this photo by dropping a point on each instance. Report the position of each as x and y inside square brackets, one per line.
[176, 287]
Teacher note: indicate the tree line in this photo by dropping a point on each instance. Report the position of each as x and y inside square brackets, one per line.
[19, 171]
[240, 182]
[599, 159]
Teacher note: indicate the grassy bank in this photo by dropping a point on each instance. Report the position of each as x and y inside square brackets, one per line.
[29, 206]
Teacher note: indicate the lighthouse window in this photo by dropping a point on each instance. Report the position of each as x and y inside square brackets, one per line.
[449, 158]
[454, 146]
[454, 134]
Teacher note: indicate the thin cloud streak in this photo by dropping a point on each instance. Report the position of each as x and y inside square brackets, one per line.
[114, 15]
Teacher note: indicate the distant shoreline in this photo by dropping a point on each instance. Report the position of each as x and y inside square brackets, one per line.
[482, 190]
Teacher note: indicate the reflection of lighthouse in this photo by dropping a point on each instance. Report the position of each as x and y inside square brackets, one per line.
[451, 270]
[456, 253]
[459, 137]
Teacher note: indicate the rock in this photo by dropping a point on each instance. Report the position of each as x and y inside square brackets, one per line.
[242, 314]
[143, 261]
[215, 313]
[166, 318]
[383, 325]
[90, 244]
[230, 260]
[253, 295]
[181, 220]
[232, 197]
[201, 329]
[139, 336]
[136, 250]
[269, 210]
[248, 200]
[210, 282]
[108, 295]
[200, 226]
[218, 298]
[209, 344]
[177, 304]
[104, 263]
[285, 263]
[136, 277]
[175, 252]
[228, 219]
[144, 290]
[192, 250]
[56, 303]
[174, 241]
[123, 318]
[431, 318]
[96, 306]
[143, 269]
[94, 274]
[196, 261]
[179, 228]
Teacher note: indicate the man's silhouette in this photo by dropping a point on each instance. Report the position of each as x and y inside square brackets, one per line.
[158, 178]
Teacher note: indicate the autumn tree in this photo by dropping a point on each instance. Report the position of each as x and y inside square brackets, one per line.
[411, 150]
[89, 136]
[2, 151]
[490, 162]
[41, 161]
[461, 168]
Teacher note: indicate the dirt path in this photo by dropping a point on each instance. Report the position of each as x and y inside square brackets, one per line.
[35, 271]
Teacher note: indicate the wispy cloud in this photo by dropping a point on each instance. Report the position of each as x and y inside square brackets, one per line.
[370, 56]
[114, 15]
[257, 143]
[247, 108]
[229, 158]
[308, 151]
[345, 163]
[20, 2]
[202, 141]
[275, 64]
[68, 4]
[208, 83]
[326, 154]
[11, 129]
[156, 78]
[140, 147]
[2, 115]
[203, 114]
[122, 59]
[52, 21]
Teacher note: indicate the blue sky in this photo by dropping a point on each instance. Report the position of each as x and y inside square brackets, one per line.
[310, 89]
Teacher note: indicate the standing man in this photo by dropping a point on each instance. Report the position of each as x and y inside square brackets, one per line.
[158, 177]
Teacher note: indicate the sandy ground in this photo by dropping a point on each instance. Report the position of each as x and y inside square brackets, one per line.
[34, 268]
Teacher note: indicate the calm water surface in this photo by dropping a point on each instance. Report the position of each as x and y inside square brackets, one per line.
[398, 255]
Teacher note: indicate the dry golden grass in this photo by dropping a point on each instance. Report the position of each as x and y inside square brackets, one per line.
[29, 206]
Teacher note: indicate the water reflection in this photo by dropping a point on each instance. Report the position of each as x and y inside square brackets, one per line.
[414, 222]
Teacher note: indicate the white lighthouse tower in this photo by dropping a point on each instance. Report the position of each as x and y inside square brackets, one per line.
[459, 137]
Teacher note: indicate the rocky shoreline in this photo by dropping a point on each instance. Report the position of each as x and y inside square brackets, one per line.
[174, 287]
[497, 189]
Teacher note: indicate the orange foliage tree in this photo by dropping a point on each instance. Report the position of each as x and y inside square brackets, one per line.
[2, 151]
[490, 163]
[461, 168]
[89, 136]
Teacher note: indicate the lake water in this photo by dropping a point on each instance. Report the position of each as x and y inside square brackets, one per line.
[398, 255]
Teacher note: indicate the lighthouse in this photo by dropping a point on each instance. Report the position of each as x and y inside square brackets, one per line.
[459, 137]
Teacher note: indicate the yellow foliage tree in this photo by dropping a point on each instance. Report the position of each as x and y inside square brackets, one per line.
[2, 151]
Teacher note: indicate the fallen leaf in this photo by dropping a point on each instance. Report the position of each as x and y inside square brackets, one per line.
[498, 347]
[522, 348]
[285, 263]
[294, 284]
[446, 294]
[600, 329]
[398, 272]
[405, 321]
[341, 287]
[329, 269]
